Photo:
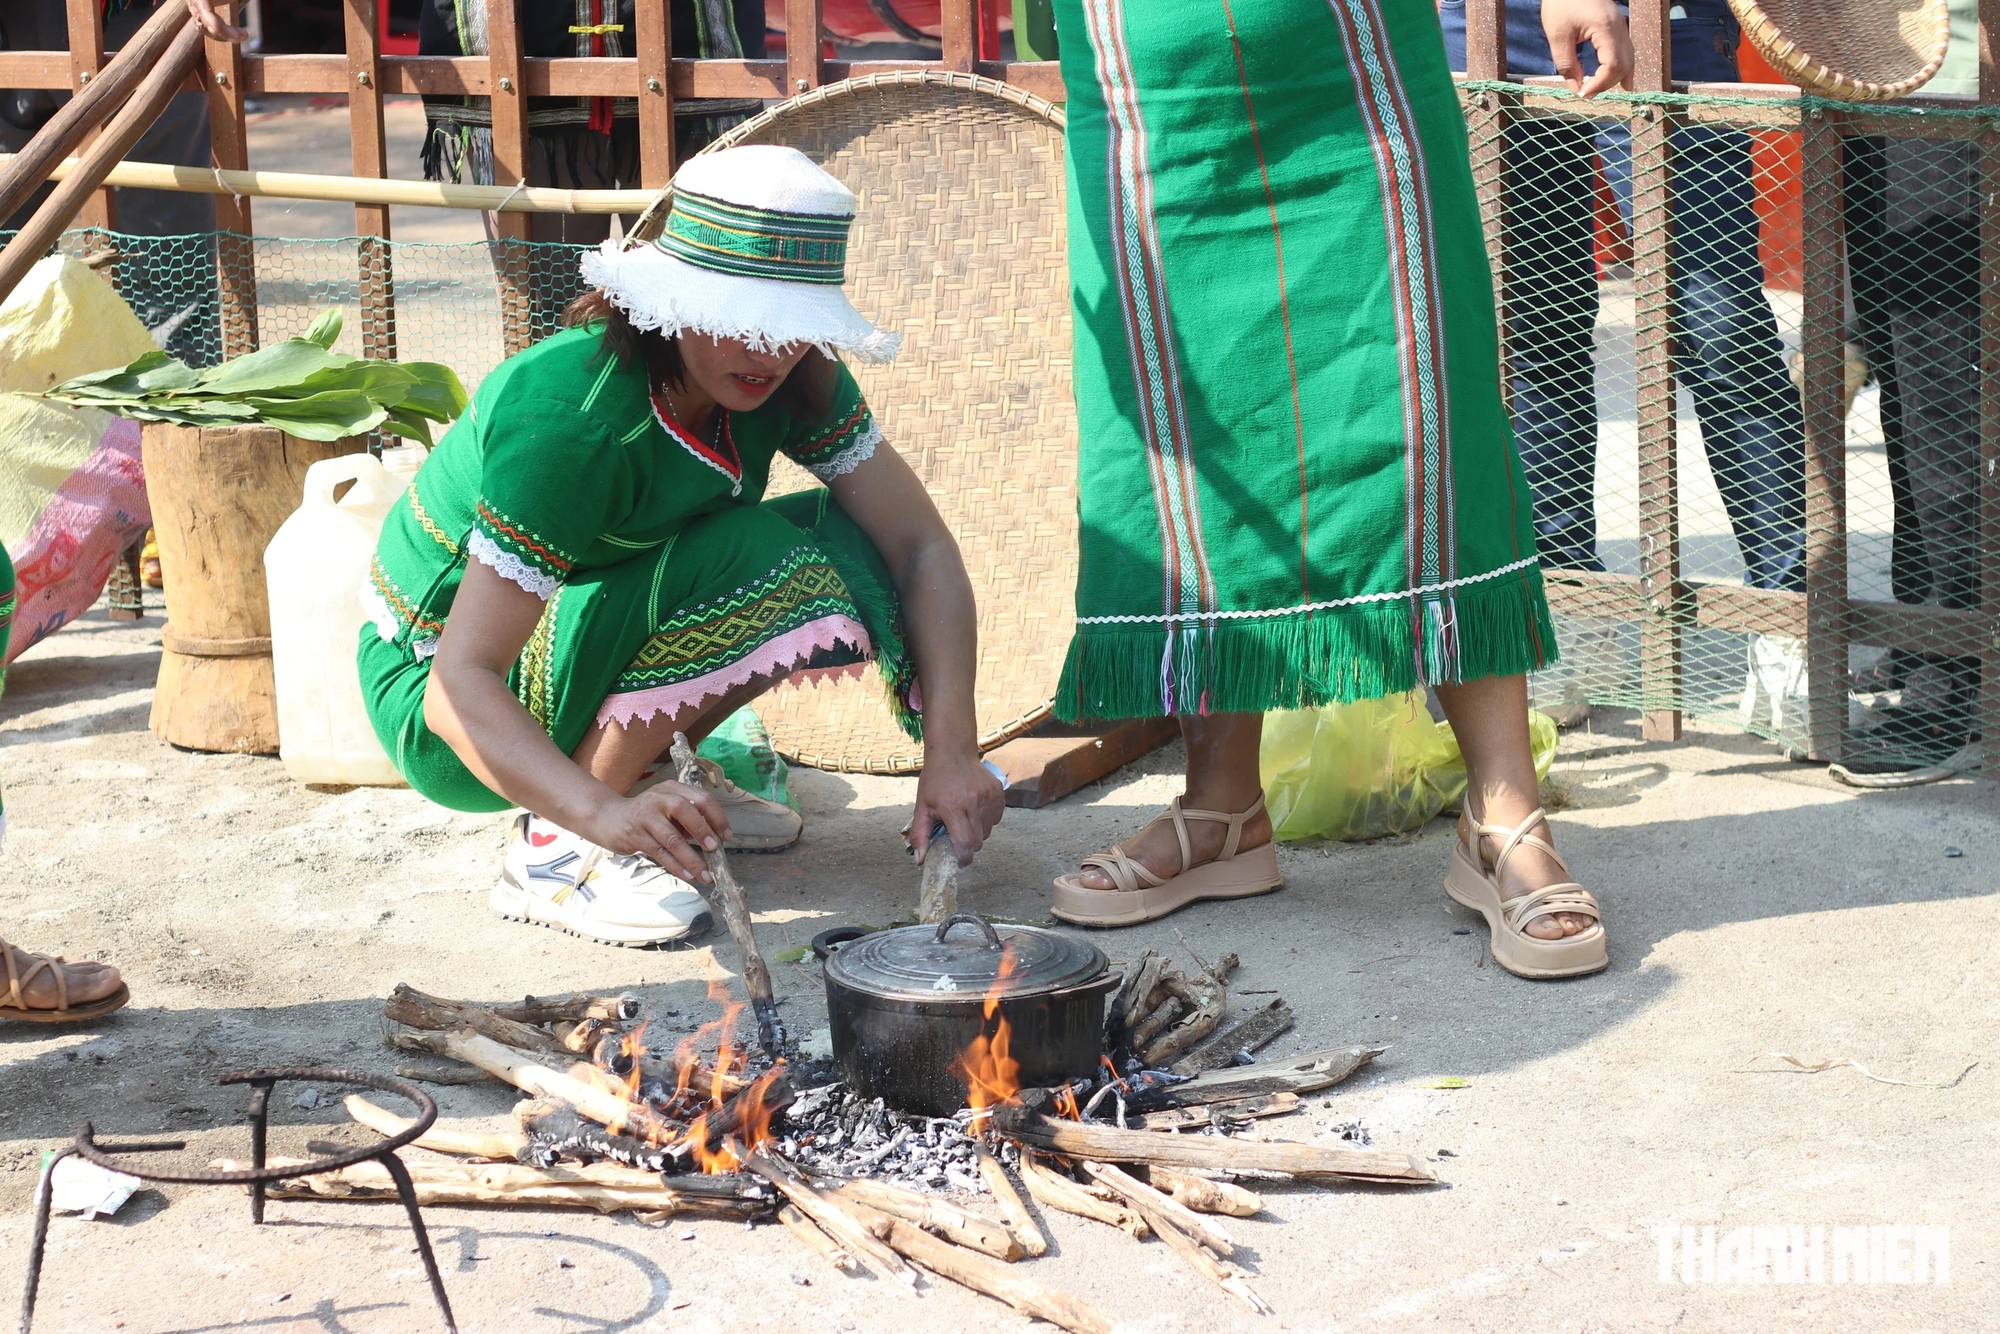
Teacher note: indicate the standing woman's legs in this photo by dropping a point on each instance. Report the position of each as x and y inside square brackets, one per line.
[1221, 776]
[1490, 719]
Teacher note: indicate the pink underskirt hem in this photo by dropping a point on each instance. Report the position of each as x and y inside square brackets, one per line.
[783, 654]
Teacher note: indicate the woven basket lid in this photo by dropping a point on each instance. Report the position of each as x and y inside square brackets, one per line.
[1854, 50]
[959, 244]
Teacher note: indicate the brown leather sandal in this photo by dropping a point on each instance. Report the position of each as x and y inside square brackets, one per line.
[14, 1005]
[1470, 883]
[1141, 896]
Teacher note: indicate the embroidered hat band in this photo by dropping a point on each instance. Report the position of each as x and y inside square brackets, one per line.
[754, 242]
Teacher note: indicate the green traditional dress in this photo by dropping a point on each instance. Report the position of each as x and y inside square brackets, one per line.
[1298, 484]
[669, 580]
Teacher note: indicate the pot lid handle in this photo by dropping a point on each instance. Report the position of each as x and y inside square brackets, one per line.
[992, 936]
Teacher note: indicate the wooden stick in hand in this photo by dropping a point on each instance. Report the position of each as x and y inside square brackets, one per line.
[726, 897]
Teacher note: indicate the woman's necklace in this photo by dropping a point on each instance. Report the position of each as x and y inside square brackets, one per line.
[717, 452]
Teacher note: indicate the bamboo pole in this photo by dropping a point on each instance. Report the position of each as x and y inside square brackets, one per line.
[358, 189]
[41, 231]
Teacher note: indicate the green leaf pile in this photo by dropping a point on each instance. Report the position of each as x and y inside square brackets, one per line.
[300, 385]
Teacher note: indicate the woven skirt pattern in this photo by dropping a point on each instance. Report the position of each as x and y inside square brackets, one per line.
[790, 588]
[1298, 483]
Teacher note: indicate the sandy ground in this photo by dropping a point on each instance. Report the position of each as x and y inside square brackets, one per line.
[1756, 908]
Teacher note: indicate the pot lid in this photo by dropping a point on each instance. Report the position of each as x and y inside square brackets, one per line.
[962, 957]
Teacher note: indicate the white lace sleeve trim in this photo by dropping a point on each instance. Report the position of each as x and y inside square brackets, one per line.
[847, 460]
[377, 608]
[510, 566]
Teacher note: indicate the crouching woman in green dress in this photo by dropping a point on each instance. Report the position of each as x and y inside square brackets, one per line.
[586, 565]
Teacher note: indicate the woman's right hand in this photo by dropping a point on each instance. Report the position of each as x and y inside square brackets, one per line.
[1569, 24]
[671, 823]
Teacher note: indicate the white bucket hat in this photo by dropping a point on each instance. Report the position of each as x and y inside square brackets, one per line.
[754, 247]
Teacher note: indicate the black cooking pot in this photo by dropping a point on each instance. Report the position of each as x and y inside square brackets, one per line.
[905, 1004]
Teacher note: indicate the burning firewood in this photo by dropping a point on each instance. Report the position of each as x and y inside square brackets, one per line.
[599, 1104]
[1205, 1196]
[933, 1214]
[506, 1147]
[1109, 1144]
[601, 1187]
[1184, 1232]
[727, 898]
[810, 1233]
[583, 1005]
[1012, 1207]
[1055, 1191]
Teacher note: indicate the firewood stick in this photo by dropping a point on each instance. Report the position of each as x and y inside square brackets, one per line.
[809, 1232]
[1167, 1229]
[727, 898]
[555, 1009]
[1158, 1209]
[1055, 1191]
[1140, 979]
[1308, 1072]
[1109, 1144]
[997, 1280]
[1205, 1196]
[1252, 1031]
[600, 1105]
[407, 1005]
[1155, 1023]
[583, 1036]
[841, 1218]
[1180, 1118]
[505, 1183]
[937, 892]
[473, 1144]
[935, 1215]
[1012, 1207]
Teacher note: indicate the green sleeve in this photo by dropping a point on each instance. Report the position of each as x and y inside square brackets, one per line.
[843, 440]
[552, 481]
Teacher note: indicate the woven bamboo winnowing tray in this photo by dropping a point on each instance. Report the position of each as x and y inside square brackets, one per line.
[959, 245]
[1855, 50]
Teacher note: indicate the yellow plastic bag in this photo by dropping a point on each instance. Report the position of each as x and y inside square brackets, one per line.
[1370, 768]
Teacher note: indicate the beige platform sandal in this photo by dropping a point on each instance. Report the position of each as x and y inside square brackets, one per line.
[1468, 882]
[14, 1001]
[1141, 896]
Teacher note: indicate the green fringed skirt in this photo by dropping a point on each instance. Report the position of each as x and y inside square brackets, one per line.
[1298, 484]
[790, 587]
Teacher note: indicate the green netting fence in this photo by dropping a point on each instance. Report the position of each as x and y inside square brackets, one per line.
[1742, 342]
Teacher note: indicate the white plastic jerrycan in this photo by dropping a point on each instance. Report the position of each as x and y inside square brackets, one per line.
[314, 568]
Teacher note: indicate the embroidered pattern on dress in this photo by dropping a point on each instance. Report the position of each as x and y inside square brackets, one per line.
[721, 456]
[399, 607]
[427, 523]
[695, 641]
[509, 566]
[525, 544]
[538, 664]
[847, 460]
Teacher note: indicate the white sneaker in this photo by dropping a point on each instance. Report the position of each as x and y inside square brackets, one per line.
[1775, 687]
[756, 824]
[552, 877]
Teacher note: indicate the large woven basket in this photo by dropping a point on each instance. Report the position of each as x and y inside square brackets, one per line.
[1855, 50]
[958, 244]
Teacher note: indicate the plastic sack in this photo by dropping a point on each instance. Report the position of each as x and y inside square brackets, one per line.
[742, 747]
[72, 490]
[1374, 767]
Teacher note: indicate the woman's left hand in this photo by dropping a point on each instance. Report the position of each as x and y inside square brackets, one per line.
[962, 793]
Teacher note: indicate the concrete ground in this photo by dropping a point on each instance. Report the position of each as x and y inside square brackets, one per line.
[1755, 907]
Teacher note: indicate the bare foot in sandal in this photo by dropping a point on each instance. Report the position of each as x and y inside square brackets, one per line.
[46, 989]
[1528, 870]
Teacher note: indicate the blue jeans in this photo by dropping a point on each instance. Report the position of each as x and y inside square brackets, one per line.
[1726, 347]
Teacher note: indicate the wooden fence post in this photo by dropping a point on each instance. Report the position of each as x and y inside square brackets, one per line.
[513, 257]
[86, 58]
[803, 60]
[1989, 389]
[1486, 119]
[371, 158]
[653, 43]
[1653, 321]
[1822, 349]
[960, 32]
[235, 254]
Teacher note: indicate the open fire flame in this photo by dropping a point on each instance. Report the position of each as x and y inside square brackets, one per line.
[714, 1102]
[992, 1076]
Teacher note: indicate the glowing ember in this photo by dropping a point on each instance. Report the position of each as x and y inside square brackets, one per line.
[991, 1074]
